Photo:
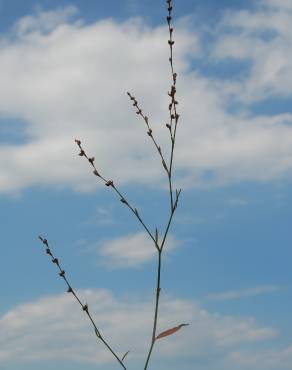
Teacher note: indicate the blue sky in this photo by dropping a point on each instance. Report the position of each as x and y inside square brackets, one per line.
[64, 69]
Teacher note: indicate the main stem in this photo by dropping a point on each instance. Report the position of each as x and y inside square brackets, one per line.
[156, 309]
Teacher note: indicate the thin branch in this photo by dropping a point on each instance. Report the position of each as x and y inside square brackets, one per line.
[170, 219]
[83, 306]
[110, 183]
[173, 115]
[150, 131]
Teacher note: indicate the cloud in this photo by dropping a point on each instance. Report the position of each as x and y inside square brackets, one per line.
[262, 360]
[44, 22]
[69, 84]
[131, 250]
[55, 328]
[263, 37]
[243, 293]
[237, 202]
[72, 83]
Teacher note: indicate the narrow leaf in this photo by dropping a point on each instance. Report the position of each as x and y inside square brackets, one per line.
[125, 355]
[170, 331]
[156, 235]
[164, 165]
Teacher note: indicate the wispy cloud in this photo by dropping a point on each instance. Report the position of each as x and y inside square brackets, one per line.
[131, 250]
[263, 360]
[44, 21]
[243, 293]
[261, 36]
[55, 328]
[237, 202]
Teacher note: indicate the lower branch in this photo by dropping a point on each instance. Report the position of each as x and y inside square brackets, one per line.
[83, 306]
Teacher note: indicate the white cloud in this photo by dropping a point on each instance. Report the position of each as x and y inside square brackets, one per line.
[72, 82]
[243, 293]
[132, 250]
[72, 79]
[56, 328]
[262, 360]
[263, 37]
[44, 21]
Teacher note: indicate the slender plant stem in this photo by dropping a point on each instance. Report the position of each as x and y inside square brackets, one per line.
[158, 289]
[173, 201]
[84, 306]
[172, 127]
[158, 281]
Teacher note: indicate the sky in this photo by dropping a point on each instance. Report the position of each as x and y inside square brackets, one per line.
[65, 68]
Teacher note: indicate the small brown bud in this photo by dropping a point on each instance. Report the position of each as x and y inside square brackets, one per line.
[170, 42]
[168, 19]
[168, 126]
[164, 165]
[48, 251]
[56, 261]
[91, 160]
[123, 200]
[85, 308]
[96, 173]
[44, 241]
[149, 133]
[109, 183]
[82, 153]
[78, 142]
[62, 273]
[69, 290]
[130, 96]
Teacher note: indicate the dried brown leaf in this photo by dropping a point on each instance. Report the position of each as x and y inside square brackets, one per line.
[171, 331]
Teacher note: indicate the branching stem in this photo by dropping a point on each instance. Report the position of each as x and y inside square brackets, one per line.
[172, 127]
[173, 199]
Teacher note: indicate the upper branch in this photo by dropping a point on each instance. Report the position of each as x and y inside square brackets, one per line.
[173, 114]
[123, 199]
[149, 132]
